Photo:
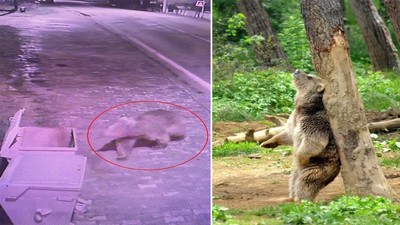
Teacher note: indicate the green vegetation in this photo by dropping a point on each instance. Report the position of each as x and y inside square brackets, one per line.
[232, 149]
[253, 94]
[244, 90]
[249, 96]
[344, 210]
[382, 146]
[379, 90]
[245, 148]
[294, 41]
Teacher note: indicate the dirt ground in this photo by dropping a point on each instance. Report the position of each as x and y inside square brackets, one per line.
[243, 183]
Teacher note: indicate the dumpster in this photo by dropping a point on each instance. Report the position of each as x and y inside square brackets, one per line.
[41, 188]
[21, 140]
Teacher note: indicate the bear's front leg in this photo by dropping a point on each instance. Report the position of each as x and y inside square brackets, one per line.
[283, 138]
[310, 146]
[122, 145]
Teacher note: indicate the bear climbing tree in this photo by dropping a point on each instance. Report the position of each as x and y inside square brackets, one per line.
[316, 160]
[330, 51]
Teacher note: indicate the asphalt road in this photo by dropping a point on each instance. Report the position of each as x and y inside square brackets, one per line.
[66, 63]
[184, 41]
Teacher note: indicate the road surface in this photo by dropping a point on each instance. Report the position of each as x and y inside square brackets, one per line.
[66, 63]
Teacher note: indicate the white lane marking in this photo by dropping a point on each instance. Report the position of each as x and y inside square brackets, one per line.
[203, 84]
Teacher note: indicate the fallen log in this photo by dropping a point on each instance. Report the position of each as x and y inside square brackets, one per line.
[385, 126]
[268, 137]
[255, 136]
[279, 120]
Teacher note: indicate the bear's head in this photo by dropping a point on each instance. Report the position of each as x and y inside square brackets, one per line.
[310, 89]
[306, 83]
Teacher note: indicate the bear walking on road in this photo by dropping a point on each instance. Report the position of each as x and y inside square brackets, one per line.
[152, 129]
[316, 159]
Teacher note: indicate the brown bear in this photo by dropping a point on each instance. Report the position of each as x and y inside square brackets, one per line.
[316, 159]
[151, 129]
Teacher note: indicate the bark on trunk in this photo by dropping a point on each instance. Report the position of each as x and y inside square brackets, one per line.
[325, 30]
[269, 52]
[382, 52]
[393, 9]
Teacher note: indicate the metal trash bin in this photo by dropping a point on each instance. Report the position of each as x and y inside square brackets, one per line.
[42, 189]
[21, 140]
[42, 177]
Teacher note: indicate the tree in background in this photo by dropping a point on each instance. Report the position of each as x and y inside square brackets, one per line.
[393, 9]
[268, 50]
[330, 51]
[382, 52]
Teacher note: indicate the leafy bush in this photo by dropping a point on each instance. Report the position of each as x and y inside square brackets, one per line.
[232, 48]
[385, 146]
[379, 91]
[279, 10]
[219, 214]
[253, 94]
[294, 41]
[235, 27]
[229, 58]
[344, 210]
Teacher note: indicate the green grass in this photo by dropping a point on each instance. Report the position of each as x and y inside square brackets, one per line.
[234, 149]
[225, 216]
[390, 162]
[245, 148]
[351, 210]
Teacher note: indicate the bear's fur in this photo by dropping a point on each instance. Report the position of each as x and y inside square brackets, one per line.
[316, 160]
[152, 129]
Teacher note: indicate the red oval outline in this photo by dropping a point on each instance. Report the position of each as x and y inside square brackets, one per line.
[146, 169]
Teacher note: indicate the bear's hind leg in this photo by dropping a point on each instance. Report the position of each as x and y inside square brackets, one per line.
[292, 183]
[122, 146]
[312, 179]
[305, 191]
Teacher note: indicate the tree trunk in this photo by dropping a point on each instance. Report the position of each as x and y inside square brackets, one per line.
[382, 52]
[330, 51]
[393, 9]
[269, 51]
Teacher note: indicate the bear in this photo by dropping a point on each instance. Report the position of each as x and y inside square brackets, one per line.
[316, 160]
[151, 129]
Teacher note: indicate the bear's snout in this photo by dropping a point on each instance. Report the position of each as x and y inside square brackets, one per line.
[296, 73]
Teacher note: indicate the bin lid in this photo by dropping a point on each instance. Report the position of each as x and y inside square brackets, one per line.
[47, 171]
[12, 131]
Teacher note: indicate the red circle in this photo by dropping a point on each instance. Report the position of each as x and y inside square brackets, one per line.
[146, 101]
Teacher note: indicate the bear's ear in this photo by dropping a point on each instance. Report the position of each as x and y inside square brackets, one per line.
[320, 88]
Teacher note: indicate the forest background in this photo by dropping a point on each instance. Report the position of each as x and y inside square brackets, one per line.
[245, 89]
